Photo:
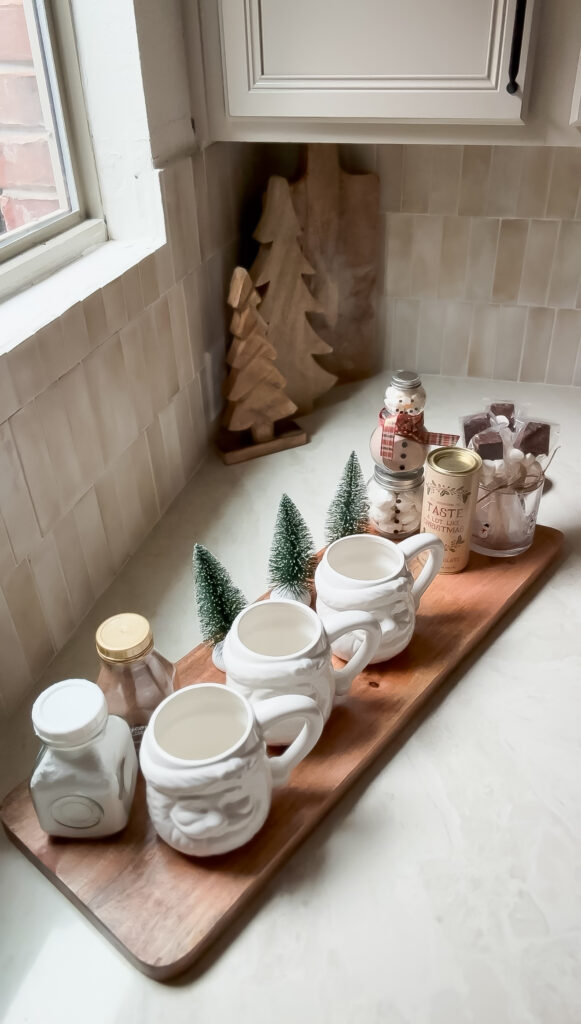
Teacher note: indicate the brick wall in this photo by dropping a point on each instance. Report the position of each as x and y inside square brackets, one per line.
[27, 182]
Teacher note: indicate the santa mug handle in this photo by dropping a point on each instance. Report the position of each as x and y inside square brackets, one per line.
[414, 546]
[294, 708]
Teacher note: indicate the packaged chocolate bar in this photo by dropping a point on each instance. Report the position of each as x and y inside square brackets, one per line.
[513, 445]
[505, 409]
[471, 425]
[531, 435]
[534, 437]
[489, 444]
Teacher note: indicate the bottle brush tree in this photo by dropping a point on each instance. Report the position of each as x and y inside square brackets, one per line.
[292, 555]
[348, 512]
[218, 600]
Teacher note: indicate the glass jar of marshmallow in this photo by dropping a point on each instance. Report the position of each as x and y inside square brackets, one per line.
[395, 502]
[515, 451]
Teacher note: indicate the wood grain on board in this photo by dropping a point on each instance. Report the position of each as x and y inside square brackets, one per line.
[162, 909]
[254, 388]
[339, 218]
[279, 272]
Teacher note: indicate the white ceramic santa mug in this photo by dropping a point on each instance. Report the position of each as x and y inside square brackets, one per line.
[277, 647]
[373, 574]
[209, 779]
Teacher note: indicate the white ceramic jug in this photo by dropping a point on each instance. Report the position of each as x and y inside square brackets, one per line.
[279, 647]
[209, 779]
[372, 574]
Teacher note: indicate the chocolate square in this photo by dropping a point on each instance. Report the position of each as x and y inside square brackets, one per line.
[504, 409]
[474, 424]
[488, 444]
[534, 438]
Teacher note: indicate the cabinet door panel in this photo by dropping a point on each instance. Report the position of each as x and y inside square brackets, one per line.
[371, 60]
[447, 38]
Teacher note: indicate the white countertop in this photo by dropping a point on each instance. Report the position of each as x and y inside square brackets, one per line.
[446, 887]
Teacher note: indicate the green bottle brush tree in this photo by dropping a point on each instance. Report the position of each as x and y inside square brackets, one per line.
[348, 512]
[218, 600]
[292, 555]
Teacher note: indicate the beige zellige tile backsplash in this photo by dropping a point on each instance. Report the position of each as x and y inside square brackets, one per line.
[483, 260]
[104, 415]
[538, 262]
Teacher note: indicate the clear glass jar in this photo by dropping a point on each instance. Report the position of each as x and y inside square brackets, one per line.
[505, 520]
[85, 774]
[134, 677]
[395, 502]
[404, 397]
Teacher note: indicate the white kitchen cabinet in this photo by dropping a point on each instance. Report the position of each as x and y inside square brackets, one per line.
[371, 61]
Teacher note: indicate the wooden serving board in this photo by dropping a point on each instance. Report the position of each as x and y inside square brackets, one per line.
[161, 909]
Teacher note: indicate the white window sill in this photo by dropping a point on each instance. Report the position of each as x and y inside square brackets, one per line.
[39, 260]
[25, 313]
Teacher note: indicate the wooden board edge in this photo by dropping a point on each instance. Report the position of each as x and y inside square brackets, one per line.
[86, 911]
[294, 439]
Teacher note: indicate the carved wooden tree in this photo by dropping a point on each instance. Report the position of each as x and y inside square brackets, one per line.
[254, 388]
[338, 214]
[280, 268]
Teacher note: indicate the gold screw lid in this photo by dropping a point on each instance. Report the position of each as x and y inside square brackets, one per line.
[124, 637]
[454, 460]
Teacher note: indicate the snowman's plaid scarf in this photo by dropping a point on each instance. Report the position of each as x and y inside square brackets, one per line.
[408, 425]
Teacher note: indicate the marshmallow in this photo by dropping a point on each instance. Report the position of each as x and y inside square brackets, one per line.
[514, 455]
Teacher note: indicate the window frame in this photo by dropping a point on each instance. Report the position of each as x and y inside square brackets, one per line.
[62, 238]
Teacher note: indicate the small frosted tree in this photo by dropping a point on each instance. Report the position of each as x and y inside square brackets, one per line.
[219, 601]
[292, 555]
[348, 512]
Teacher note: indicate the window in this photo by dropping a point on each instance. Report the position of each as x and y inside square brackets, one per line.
[41, 115]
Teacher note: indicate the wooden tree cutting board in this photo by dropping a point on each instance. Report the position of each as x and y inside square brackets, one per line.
[279, 272]
[162, 909]
[339, 217]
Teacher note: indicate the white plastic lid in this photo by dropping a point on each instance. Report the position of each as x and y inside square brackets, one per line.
[70, 713]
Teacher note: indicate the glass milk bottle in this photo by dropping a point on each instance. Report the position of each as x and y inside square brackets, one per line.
[134, 677]
[84, 779]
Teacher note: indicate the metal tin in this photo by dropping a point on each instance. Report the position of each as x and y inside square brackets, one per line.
[450, 492]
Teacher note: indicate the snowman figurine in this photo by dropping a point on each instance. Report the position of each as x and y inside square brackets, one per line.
[393, 444]
[398, 446]
[400, 441]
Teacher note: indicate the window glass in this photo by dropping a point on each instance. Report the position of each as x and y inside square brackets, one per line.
[37, 186]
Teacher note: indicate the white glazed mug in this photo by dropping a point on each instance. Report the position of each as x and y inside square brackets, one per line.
[277, 647]
[209, 779]
[372, 573]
